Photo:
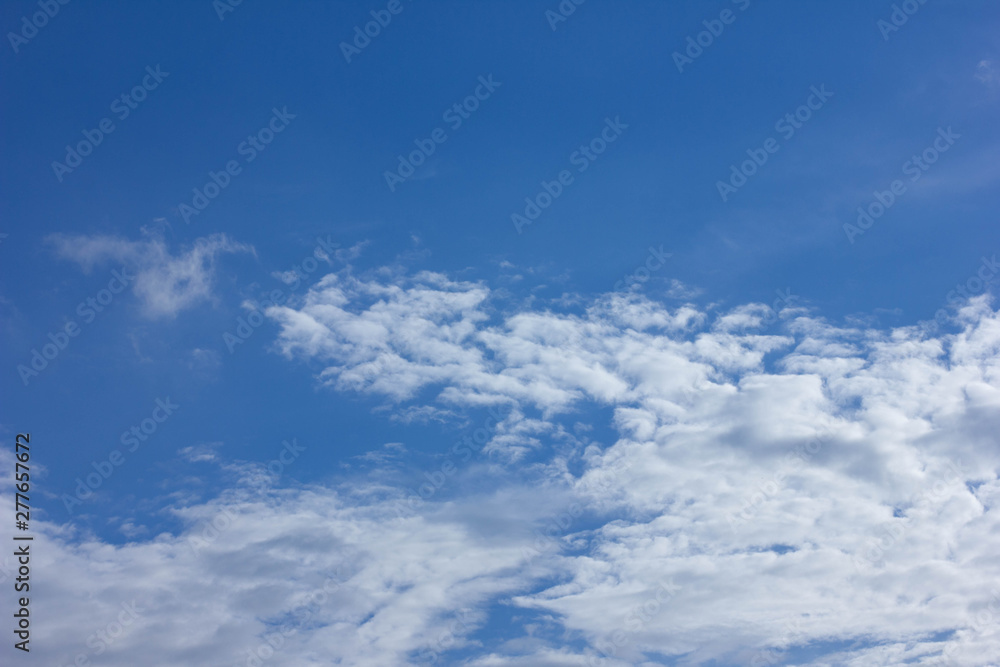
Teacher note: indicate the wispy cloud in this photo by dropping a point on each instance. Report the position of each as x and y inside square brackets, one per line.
[166, 283]
[986, 71]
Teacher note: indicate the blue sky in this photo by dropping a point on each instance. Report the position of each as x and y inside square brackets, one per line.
[637, 357]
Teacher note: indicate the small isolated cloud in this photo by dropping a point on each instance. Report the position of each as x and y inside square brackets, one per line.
[986, 72]
[390, 451]
[203, 359]
[166, 283]
[203, 453]
[424, 414]
[678, 290]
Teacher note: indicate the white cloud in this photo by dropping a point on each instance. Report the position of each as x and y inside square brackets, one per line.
[165, 283]
[713, 485]
[208, 596]
[986, 72]
[701, 425]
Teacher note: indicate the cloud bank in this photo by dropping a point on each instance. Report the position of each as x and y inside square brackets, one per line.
[657, 486]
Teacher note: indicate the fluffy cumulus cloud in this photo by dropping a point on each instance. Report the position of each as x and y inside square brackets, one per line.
[641, 485]
[164, 282]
